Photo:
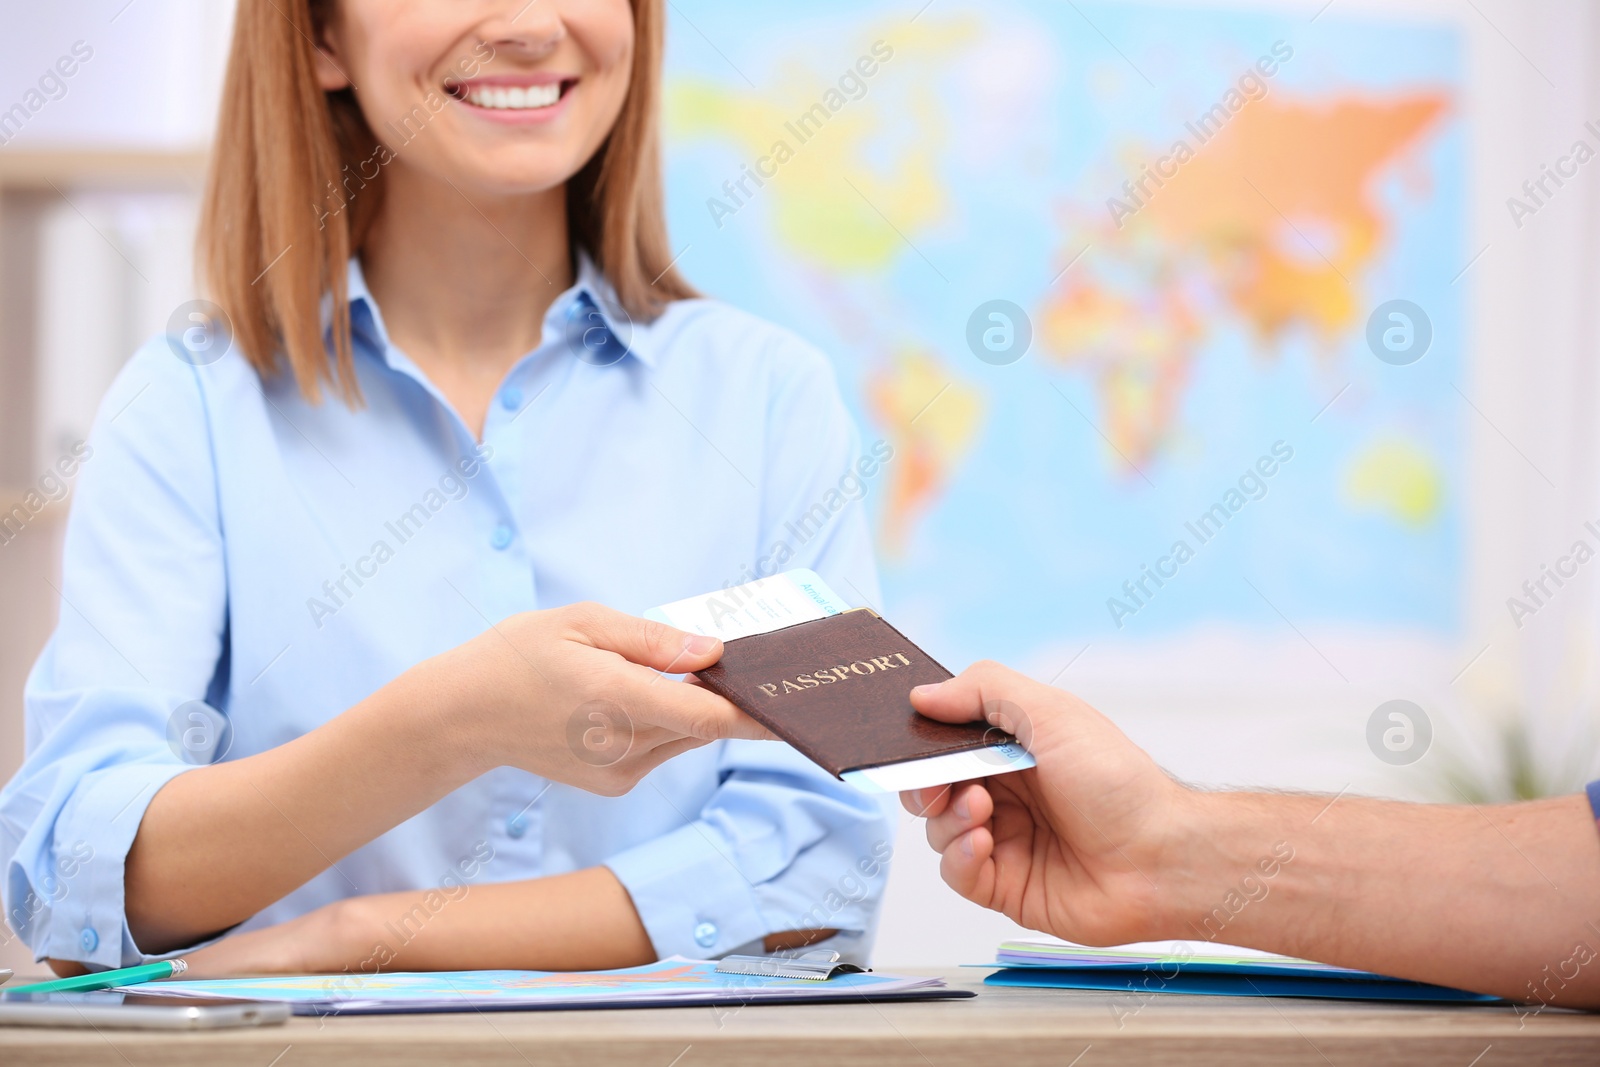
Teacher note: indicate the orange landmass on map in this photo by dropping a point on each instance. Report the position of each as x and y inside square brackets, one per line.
[931, 418]
[1275, 218]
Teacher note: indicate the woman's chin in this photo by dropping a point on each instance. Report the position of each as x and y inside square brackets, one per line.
[522, 170]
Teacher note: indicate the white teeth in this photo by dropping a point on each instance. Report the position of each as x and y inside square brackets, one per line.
[516, 98]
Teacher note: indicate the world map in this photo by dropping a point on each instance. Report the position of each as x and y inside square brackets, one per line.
[1195, 212]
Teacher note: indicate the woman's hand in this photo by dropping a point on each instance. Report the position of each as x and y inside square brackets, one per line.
[578, 921]
[1074, 846]
[310, 944]
[577, 695]
[581, 920]
[573, 694]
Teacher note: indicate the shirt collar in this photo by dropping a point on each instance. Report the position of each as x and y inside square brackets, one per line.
[366, 321]
[590, 283]
[590, 294]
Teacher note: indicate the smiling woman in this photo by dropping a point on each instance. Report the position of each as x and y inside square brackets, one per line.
[292, 133]
[449, 217]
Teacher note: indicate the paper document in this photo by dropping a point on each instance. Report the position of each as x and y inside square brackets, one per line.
[756, 607]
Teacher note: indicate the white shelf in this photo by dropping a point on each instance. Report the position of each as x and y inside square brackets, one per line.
[131, 168]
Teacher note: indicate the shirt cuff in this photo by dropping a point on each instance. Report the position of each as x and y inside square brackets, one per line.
[1593, 789]
[690, 893]
[88, 921]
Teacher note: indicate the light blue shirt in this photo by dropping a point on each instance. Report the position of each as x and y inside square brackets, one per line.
[280, 561]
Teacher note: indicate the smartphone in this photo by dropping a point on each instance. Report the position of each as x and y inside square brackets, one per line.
[136, 1011]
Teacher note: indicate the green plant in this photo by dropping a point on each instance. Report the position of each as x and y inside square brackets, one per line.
[1519, 766]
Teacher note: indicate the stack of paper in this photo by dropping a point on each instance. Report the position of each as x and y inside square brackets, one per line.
[674, 982]
[1200, 967]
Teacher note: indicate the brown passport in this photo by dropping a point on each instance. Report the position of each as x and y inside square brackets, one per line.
[839, 690]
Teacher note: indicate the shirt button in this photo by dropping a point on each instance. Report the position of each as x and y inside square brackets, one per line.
[511, 398]
[501, 536]
[705, 935]
[89, 939]
[516, 826]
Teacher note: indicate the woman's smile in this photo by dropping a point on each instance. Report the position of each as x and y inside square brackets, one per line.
[514, 97]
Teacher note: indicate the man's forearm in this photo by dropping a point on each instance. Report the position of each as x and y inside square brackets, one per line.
[1392, 888]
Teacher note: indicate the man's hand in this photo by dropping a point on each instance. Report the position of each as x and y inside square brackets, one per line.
[1071, 846]
[1098, 846]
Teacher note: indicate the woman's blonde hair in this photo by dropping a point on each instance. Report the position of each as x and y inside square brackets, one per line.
[281, 219]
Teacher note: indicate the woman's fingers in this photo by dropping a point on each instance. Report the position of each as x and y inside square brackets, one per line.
[667, 748]
[688, 710]
[643, 641]
[652, 649]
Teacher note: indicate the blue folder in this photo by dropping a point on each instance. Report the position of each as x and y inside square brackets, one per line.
[1209, 981]
[1203, 968]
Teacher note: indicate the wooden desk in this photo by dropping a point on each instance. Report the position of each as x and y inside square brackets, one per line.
[999, 1028]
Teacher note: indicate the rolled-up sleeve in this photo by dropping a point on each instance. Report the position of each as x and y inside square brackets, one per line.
[781, 844]
[142, 605]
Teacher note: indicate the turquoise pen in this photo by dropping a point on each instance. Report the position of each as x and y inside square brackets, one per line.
[148, 972]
